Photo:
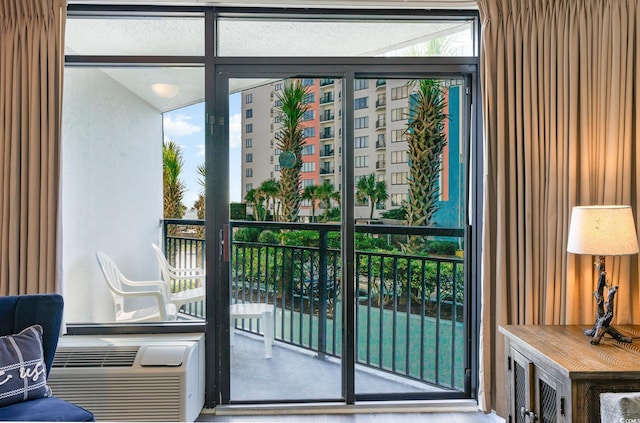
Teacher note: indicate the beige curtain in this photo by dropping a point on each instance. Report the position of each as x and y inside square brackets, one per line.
[560, 83]
[31, 65]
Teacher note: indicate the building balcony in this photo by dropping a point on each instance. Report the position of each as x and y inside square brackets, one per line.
[381, 124]
[327, 135]
[327, 99]
[327, 153]
[381, 164]
[327, 171]
[327, 117]
[381, 83]
[380, 104]
[326, 82]
[381, 145]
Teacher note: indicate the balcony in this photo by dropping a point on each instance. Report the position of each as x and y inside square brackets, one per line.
[327, 135]
[381, 103]
[326, 82]
[381, 144]
[327, 153]
[381, 164]
[381, 83]
[327, 117]
[327, 99]
[381, 124]
[327, 171]
[406, 319]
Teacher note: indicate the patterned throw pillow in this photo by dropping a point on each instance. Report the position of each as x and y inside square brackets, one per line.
[23, 374]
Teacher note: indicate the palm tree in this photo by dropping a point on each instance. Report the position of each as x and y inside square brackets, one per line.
[255, 198]
[327, 194]
[290, 140]
[173, 187]
[270, 189]
[368, 189]
[426, 139]
[311, 193]
[199, 205]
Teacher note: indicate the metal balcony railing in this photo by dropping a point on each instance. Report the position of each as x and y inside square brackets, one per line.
[409, 316]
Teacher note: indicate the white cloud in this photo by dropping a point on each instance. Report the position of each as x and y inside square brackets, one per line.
[235, 127]
[200, 150]
[179, 126]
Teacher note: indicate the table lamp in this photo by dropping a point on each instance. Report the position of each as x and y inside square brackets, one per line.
[603, 231]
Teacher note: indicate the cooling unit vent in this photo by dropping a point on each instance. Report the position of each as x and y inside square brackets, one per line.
[114, 356]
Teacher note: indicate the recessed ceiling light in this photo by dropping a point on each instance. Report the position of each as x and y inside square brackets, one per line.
[165, 90]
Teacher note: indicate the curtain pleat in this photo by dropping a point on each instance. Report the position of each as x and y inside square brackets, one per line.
[31, 66]
[559, 83]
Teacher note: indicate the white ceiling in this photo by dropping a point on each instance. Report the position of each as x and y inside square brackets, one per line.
[239, 37]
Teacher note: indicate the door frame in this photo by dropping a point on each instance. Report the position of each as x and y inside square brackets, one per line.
[217, 183]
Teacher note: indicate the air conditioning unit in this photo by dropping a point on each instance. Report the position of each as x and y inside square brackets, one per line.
[132, 378]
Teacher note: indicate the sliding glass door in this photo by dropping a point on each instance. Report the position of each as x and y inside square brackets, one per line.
[341, 283]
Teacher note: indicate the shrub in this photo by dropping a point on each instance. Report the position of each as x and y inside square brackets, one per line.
[399, 214]
[269, 237]
[442, 248]
[246, 235]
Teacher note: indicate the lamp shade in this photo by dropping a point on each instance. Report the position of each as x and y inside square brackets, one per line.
[602, 231]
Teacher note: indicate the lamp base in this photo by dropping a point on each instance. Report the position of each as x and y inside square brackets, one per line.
[604, 316]
[598, 331]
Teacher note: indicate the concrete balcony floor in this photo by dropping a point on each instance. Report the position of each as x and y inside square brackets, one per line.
[294, 373]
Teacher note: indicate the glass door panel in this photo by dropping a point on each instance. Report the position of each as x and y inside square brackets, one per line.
[285, 284]
[409, 212]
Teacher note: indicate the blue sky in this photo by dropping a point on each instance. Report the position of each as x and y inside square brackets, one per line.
[186, 127]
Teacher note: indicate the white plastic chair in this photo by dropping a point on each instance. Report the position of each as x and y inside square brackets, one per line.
[174, 277]
[121, 288]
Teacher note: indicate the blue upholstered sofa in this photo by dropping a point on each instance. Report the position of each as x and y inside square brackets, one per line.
[18, 313]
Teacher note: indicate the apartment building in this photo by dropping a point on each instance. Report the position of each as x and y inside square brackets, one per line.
[381, 112]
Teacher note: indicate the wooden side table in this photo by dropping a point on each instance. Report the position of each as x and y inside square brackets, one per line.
[554, 374]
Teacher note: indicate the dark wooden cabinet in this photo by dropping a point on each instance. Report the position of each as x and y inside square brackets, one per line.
[553, 373]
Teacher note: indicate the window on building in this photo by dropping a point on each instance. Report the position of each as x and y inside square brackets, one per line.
[309, 98]
[248, 172]
[308, 150]
[399, 178]
[360, 84]
[361, 103]
[307, 82]
[249, 128]
[362, 142]
[248, 98]
[361, 161]
[308, 167]
[308, 183]
[309, 115]
[401, 156]
[401, 113]
[399, 199]
[361, 122]
[399, 92]
[248, 157]
[398, 135]
[278, 86]
[249, 113]
[248, 187]
[309, 132]
[277, 103]
[248, 143]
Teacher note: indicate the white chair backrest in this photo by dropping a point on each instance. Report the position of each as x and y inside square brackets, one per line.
[164, 264]
[112, 276]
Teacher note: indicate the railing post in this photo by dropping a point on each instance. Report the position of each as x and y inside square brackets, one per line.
[322, 282]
